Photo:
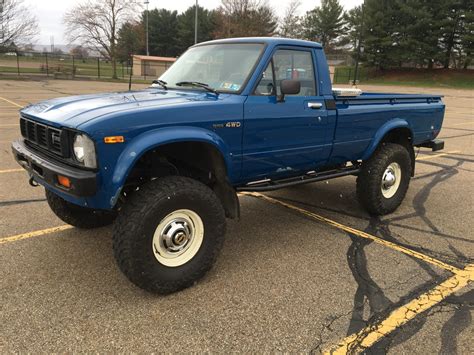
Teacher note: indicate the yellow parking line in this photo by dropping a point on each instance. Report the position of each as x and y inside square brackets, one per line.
[11, 171]
[38, 233]
[11, 102]
[357, 343]
[357, 232]
[426, 157]
[460, 124]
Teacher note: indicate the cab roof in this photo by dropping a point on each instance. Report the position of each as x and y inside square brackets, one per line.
[272, 41]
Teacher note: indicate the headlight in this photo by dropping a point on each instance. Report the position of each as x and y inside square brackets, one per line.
[84, 150]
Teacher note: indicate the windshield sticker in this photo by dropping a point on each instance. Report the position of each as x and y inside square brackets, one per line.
[226, 85]
[230, 86]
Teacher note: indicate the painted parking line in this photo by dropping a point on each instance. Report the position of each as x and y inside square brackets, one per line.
[427, 157]
[11, 102]
[11, 171]
[461, 123]
[15, 238]
[357, 343]
[357, 232]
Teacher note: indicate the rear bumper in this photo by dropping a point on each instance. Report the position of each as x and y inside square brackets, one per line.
[435, 144]
[44, 171]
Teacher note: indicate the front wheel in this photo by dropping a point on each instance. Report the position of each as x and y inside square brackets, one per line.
[384, 178]
[169, 234]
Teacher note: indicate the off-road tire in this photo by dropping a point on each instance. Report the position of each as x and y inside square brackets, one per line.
[369, 180]
[138, 220]
[77, 216]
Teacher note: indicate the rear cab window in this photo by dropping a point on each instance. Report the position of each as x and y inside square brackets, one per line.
[288, 64]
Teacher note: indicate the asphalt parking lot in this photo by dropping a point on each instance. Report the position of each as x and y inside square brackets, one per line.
[305, 269]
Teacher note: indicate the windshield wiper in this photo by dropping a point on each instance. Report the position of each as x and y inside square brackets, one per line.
[162, 83]
[197, 84]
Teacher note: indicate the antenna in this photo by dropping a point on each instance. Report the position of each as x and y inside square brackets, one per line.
[131, 71]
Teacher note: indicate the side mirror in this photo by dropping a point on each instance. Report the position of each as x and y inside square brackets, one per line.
[289, 87]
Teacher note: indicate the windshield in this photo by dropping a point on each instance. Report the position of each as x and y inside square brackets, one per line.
[223, 67]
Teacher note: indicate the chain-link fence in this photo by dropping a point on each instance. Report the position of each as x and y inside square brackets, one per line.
[61, 66]
[66, 66]
[347, 75]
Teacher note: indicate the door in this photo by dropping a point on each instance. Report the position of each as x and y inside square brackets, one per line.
[290, 137]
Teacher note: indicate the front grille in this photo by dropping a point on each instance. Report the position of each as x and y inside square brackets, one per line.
[43, 136]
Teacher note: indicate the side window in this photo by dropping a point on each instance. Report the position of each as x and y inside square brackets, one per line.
[292, 64]
[265, 85]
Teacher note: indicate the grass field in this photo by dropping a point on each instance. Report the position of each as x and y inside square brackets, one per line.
[89, 67]
[448, 78]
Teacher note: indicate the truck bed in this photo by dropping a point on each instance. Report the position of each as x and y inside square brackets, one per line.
[361, 120]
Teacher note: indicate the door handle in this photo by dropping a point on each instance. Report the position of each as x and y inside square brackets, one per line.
[315, 105]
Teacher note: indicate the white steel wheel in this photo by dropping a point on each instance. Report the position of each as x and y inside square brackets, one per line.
[391, 179]
[178, 237]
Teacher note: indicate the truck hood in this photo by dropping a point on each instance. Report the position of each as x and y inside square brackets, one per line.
[73, 111]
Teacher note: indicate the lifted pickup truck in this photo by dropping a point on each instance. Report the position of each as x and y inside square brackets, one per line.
[164, 164]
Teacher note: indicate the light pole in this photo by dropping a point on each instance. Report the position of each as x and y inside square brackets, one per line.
[361, 31]
[196, 24]
[146, 27]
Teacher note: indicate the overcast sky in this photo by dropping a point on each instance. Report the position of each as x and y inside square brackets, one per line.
[50, 12]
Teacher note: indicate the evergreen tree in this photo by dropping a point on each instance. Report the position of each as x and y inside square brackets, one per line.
[379, 24]
[131, 40]
[162, 25]
[467, 34]
[454, 18]
[415, 39]
[325, 23]
[185, 30]
[353, 27]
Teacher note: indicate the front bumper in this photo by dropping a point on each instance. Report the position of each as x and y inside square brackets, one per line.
[45, 171]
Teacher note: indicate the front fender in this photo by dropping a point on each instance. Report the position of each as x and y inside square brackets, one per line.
[382, 131]
[155, 138]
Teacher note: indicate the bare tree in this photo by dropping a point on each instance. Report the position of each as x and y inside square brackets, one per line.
[96, 24]
[240, 18]
[290, 24]
[17, 25]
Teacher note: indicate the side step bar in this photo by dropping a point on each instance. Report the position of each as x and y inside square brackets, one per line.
[435, 145]
[298, 180]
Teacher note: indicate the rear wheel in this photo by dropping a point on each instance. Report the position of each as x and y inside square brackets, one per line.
[78, 216]
[169, 234]
[384, 178]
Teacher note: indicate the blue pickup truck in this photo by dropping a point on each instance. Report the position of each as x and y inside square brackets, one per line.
[164, 164]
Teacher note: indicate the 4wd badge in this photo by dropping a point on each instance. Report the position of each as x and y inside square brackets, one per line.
[233, 124]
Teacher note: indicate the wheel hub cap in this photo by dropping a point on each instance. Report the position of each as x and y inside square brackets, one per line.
[391, 180]
[178, 237]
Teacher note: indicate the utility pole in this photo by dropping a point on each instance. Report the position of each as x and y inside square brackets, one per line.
[146, 27]
[361, 31]
[196, 24]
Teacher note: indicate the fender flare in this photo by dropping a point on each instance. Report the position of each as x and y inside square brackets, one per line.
[158, 137]
[382, 131]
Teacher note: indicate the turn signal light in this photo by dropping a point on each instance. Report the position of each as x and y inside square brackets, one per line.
[64, 181]
[114, 139]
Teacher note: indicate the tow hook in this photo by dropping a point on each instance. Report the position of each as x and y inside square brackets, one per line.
[33, 182]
